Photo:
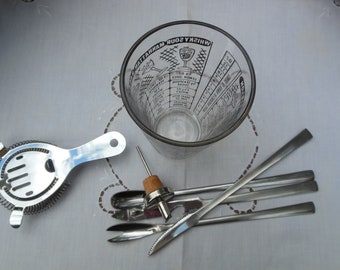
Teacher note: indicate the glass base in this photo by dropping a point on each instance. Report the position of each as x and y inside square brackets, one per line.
[178, 125]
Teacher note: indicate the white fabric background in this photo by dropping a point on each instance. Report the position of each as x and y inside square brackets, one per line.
[57, 62]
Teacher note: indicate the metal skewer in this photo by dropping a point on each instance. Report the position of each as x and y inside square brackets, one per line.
[146, 166]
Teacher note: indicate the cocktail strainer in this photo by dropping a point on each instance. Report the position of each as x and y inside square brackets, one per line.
[33, 174]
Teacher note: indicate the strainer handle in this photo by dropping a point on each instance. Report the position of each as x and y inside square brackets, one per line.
[108, 145]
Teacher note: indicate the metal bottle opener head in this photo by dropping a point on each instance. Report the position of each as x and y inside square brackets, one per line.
[32, 174]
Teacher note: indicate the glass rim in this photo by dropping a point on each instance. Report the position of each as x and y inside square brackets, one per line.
[163, 139]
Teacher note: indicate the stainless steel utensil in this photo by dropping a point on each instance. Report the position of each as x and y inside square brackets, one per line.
[192, 204]
[132, 231]
[33, 173]
[191, 219]
[135, 198]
